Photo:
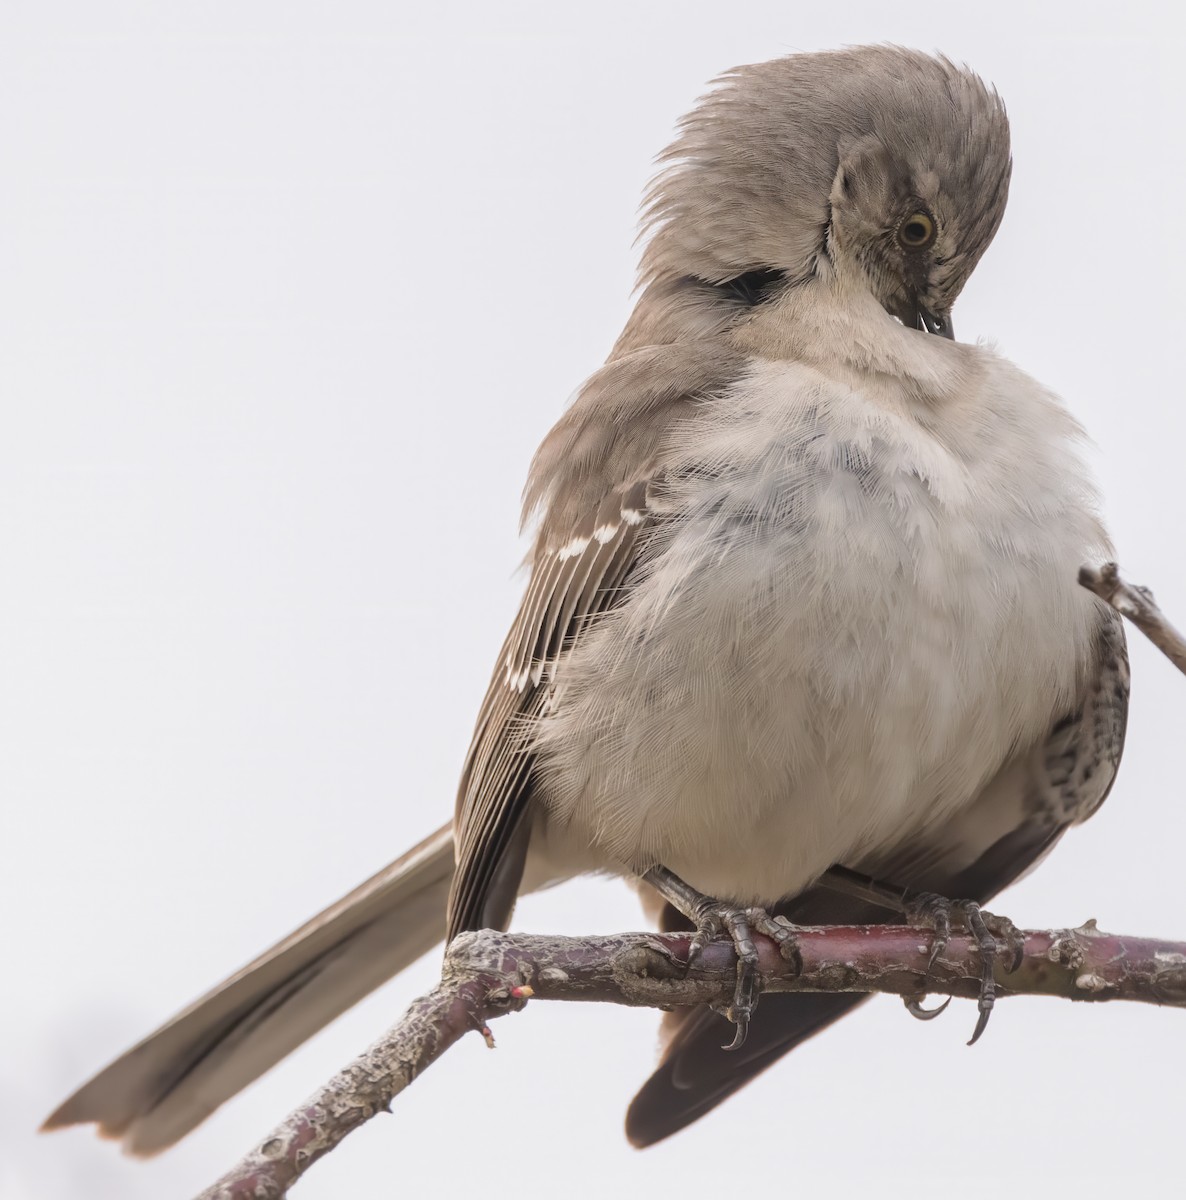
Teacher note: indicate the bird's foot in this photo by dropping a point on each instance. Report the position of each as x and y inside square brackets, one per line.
[715, 920]
[938, 914]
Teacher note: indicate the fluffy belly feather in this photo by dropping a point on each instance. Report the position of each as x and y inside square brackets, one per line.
[841, 633]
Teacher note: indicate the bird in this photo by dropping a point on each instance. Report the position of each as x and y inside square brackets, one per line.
[802, 605]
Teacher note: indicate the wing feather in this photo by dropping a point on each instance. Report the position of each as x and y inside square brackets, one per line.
[578, 580]
[590, 484]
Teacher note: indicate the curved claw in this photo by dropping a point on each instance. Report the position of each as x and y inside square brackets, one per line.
[708, 928]
[745, 994]
[712, 920]
[981, 1025]
[1018, 956]
[715, 920]
[985, 929]
[695, 948]
[987, 946]
[915, 1009]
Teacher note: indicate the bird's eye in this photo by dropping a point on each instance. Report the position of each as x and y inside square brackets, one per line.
[917, 231]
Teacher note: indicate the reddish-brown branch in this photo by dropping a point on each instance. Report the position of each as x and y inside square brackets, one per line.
[489, 974]
[461, 1002]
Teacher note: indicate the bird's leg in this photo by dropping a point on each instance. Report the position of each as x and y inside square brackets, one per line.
[936, 912]
[713, 919]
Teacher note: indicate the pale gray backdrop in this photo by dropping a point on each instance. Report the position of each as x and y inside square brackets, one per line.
[289, 294]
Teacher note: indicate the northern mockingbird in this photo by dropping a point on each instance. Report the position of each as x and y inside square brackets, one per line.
[803, 593]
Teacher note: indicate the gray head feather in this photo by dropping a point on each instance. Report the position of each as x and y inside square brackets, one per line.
[815, 161]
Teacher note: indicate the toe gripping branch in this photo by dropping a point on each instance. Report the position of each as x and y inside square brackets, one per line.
[713, 920]
[938, 913]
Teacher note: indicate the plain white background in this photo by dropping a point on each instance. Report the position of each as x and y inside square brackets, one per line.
[288, 295]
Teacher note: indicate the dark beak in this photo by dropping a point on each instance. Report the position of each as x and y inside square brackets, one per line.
[934, 324]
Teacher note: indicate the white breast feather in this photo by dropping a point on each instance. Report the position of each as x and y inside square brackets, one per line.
[861, 609]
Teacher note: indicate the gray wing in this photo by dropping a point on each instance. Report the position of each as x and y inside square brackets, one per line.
[1012, 826]
[570, 586]
[593, 479]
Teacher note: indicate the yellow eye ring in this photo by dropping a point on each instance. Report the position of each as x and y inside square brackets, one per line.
[917, 232]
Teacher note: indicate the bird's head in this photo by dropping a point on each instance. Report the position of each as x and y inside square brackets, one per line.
[886, 167]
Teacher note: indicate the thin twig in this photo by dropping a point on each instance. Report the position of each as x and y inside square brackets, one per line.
[1137, 604]
[488, 974]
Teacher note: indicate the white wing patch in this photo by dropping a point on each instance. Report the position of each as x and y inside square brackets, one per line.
[569, 587]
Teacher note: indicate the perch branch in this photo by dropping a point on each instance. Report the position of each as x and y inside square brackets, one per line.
[488, 974]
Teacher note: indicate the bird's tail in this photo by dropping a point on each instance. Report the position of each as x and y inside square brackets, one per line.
[162, 1088]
